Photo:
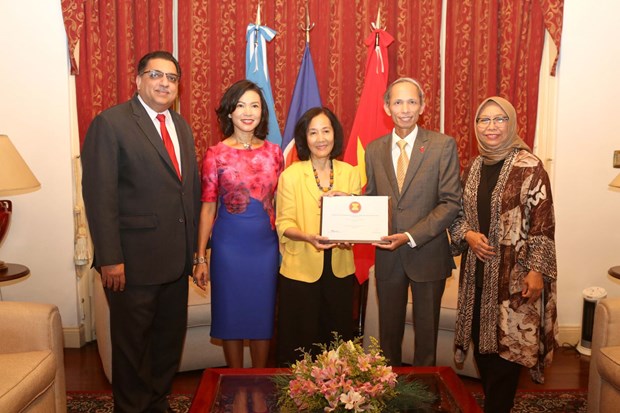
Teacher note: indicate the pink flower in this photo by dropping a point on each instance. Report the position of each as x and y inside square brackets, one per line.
[372, 390]
[385, 375]
[302, 387]
[342, 378]
[352, 401]
[363, 363]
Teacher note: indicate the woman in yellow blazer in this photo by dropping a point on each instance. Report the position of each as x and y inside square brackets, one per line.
[315, 292]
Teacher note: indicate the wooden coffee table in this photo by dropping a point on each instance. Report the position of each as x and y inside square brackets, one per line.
[217, 388]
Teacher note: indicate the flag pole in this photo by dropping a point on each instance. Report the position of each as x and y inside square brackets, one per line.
[377, 25]
[258, 15]
[305, 94]
[308, 26]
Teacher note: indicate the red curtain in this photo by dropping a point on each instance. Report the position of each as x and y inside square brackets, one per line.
[495, 48]
[111, 35]
[492, 47]
[212, 49]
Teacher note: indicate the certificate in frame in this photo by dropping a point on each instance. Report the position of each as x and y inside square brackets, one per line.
[355, 219]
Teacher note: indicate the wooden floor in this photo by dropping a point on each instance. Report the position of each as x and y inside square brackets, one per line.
[569, 370]
[84, 373]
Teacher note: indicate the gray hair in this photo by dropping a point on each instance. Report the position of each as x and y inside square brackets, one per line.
[386, 95]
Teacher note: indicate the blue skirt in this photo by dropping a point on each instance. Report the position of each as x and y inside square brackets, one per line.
[244, 268]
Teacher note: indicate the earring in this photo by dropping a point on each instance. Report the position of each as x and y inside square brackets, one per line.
[230, 116]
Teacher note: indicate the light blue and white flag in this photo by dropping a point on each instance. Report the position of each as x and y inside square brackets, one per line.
[257, 71]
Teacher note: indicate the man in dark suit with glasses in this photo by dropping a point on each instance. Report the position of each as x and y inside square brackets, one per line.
[142, 196]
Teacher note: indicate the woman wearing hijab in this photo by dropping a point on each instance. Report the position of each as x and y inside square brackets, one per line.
[505, 231]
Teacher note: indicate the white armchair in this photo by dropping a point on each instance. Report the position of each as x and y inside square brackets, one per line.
[604, 381]
[31, 358]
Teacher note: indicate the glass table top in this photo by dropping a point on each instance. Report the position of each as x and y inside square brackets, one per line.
[220, 387]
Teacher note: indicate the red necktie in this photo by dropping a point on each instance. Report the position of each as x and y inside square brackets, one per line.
[168, 142]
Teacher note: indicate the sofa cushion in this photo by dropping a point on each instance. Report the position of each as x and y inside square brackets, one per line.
[198, 306]
[451, 293]
[448, 304]
[608, 364]
[24, 377]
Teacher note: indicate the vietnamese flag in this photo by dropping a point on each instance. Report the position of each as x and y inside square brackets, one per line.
[370, 122]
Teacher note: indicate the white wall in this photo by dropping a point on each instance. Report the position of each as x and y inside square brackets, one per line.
[34, 112]
[587, 210]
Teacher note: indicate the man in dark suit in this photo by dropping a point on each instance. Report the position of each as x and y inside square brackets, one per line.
[142, 197]
[422, 181]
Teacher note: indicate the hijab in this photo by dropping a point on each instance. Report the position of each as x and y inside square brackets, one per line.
[491, 156]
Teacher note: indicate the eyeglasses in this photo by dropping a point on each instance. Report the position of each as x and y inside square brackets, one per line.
[500, 120]
[157, 74]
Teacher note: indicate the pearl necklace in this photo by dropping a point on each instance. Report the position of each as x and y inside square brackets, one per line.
[331, 177]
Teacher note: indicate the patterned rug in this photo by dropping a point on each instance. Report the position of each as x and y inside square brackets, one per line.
[564, 401]
[90, 402]
[556, 401]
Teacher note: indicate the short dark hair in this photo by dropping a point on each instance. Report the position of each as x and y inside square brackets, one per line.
[228, 104]
[301, 132]
[158, 54]
[388, 92]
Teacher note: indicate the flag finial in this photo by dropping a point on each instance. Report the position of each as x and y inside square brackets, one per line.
[376, 25]
[258, 15]
[308, 26]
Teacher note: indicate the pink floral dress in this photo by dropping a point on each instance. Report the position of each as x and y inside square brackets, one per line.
[244, 244]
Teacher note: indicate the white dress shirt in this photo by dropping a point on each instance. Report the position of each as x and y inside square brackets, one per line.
[396, 154]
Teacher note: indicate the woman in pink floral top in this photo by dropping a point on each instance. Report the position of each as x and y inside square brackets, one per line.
[239, 179]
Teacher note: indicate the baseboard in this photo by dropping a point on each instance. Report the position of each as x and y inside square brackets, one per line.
[75, 337]
[570, 335]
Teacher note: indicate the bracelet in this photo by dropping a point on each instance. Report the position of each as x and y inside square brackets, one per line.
[200, 260]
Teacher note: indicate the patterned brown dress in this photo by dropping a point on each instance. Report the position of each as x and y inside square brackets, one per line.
[522, 231]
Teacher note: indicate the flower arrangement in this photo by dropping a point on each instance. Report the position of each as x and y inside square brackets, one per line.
[344, 378]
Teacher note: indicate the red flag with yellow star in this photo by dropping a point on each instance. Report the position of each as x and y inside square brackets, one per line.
[370, 122]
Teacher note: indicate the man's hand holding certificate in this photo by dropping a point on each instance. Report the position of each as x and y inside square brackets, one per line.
[354, 219]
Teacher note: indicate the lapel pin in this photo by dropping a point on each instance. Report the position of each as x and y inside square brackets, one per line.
[421, 149]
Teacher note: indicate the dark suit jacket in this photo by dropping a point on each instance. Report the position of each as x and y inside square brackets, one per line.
[429, 202]
[139, 212]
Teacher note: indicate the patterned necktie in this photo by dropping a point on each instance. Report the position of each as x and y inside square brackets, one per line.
[168, 142]
[401, 164]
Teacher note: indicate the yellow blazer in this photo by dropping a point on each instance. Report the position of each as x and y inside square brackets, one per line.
[297, 206]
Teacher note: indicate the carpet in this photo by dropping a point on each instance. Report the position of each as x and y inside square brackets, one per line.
[564, 401]
[92, 402]
[547, 401]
